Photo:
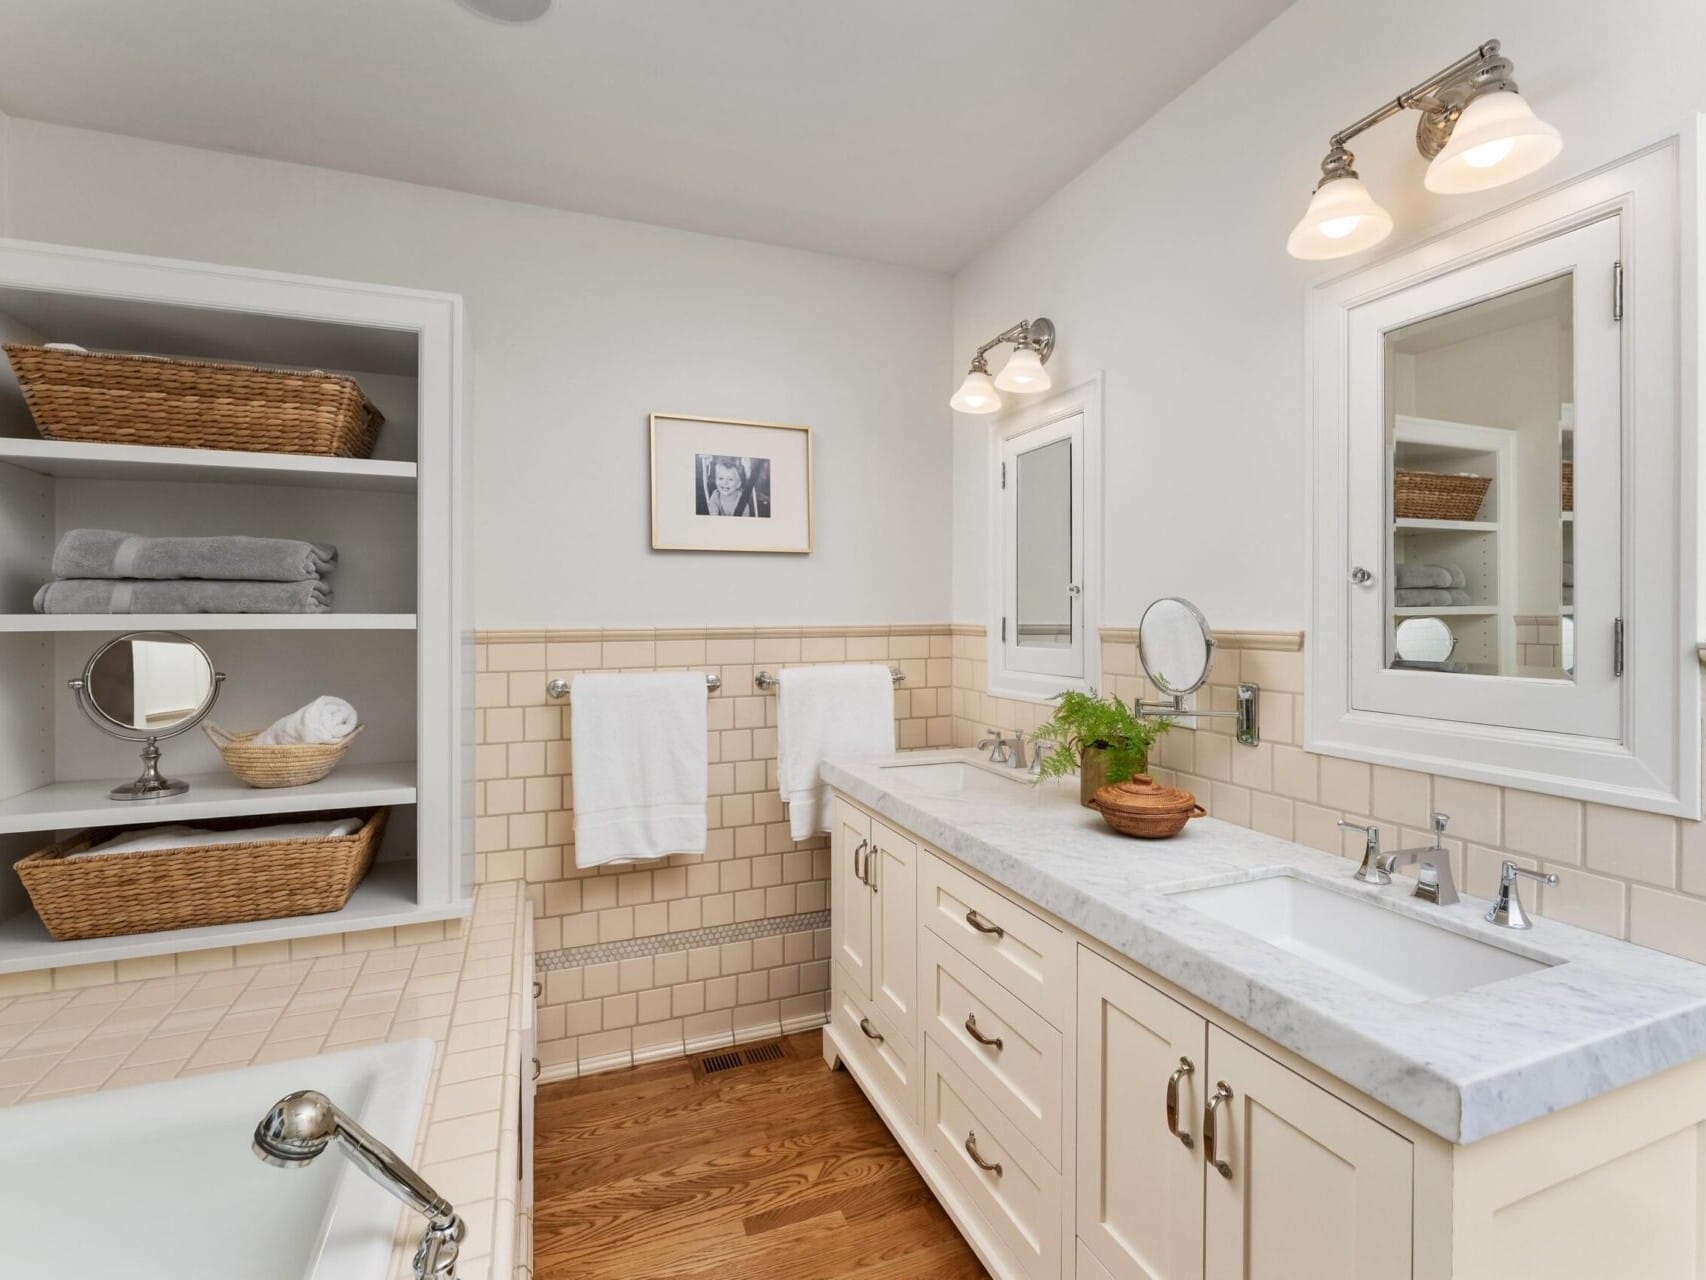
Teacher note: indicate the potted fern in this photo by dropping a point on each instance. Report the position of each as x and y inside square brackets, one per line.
[1099, 738]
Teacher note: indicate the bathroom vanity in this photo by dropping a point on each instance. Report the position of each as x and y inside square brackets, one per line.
[1221, 1056]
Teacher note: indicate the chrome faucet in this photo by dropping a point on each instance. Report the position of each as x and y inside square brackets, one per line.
[1005, 750]
[1370, 872]
[1507, 907]
[300, 1127]
[1434, 881]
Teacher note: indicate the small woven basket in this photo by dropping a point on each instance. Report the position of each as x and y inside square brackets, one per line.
[108, 398]
[104, 896]
[1432, 495]
[1144, 808]
[1568, 486]
[290, 764]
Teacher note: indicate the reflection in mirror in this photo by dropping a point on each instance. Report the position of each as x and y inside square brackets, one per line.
[144, 687]
[1174, 644]
[1481, 435]
[1043, 526]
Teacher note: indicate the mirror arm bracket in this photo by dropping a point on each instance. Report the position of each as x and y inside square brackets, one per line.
[1247, 713]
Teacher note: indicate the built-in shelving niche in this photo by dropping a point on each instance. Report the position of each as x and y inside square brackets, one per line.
[391, 647]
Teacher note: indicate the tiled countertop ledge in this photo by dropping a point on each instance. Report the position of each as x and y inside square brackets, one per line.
[1465, 1065]
[464, 993]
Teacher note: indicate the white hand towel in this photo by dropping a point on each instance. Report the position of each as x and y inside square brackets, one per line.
[640, 765]
[325, 719]
[181, 837]
[822, 713]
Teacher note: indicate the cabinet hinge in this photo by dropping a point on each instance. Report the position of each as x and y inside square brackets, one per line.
[1617, 647]
[1617, 291]
[1004, 631]
[1003, 475]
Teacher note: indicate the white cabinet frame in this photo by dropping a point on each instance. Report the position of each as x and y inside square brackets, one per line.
[1655, 762]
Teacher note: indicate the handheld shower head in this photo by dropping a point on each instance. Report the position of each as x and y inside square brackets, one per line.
[296, 1130]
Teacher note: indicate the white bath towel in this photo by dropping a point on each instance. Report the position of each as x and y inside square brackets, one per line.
[641, 765]
[823, 713]
[181, 837]
[326, 719]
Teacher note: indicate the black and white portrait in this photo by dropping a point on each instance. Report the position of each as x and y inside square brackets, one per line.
[725, 485]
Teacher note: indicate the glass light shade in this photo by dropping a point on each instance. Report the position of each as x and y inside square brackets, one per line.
[976, 394]
[1342, 218]
[1023, 372]
[1496, 140]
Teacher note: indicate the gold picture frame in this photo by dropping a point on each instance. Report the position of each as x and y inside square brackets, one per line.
[761, 471]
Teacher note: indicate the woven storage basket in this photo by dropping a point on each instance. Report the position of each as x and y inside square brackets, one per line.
[1144, 808]
[122, 893]
[1569, 486]
[104, 398]
[288, 765]
[1431, 495]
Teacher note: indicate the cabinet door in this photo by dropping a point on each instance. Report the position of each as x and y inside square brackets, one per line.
[850, 896]
[1316, 1188]
[894, 928]
[1140, 1187]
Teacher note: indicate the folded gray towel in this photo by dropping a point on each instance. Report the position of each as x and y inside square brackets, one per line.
[1459, 596]
[104, 553]
[1459, 579]
[1420, 576]
[105, 595]
[1420, 597]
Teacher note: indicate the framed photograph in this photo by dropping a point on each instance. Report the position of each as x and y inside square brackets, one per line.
[719, 484]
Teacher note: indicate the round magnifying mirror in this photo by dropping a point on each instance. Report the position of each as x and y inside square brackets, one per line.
[143, 687]
[1175, 645]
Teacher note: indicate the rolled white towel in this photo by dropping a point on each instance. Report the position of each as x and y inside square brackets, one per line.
[326, 719]
[182, 837]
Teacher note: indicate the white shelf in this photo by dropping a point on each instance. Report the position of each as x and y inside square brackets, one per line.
[51, 622]
[386, 898]
[1446, 526]
[1568, 517]
[1447, 611]
[61, 806]
[142, 462]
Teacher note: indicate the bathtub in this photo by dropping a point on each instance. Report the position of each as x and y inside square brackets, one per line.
[158, 1180]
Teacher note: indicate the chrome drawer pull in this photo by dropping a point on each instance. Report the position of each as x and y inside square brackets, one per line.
[538, 989]
[990, 1042]
[536, 1068]
[870, 1032]
[1179, 1073]
[857, 871]
[986, 1165]
[983, 926]
[1222, 1093]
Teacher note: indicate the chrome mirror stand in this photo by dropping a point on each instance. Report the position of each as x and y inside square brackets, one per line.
[1249, 721]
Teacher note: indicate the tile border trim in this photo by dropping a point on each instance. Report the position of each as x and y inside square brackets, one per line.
[681, 940]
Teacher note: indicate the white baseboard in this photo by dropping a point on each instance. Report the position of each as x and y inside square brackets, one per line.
[559, 1072]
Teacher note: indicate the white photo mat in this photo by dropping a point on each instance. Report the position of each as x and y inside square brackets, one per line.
[759, 473]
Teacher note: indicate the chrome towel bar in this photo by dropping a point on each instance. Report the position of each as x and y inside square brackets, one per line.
[559, 688]
[764, 680]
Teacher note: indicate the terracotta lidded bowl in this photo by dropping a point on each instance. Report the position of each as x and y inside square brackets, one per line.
[1143, 807]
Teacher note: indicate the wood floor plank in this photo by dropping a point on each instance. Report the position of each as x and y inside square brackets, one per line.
[774, 1170]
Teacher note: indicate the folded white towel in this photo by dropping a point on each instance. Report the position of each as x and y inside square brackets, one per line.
[641, 765]
[180, 837]
[325, 719]
[822, 713]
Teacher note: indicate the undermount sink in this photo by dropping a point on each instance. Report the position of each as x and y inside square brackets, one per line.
[1396, 955]
[953, 777]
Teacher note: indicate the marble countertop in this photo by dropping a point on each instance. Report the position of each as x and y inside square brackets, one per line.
[1467, 1065]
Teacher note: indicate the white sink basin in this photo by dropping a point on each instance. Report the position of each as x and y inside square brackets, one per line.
[1396, 955]
[952, 777]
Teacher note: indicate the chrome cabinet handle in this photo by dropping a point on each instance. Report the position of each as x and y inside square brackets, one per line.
[538, 989]
[988, 1166]
[989, 1042]
[871, 1032]
[862, 846]
[983, 926]
[536, 1068]
[1361, 577]
[1222, 1093]
[872, 860]
[1179, 1073]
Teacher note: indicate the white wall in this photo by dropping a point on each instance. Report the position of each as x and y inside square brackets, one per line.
[1164, 266]
[581, 326]
[5, 173]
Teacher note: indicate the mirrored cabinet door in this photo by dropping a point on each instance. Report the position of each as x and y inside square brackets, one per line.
[1485, 459]
[1042, 498]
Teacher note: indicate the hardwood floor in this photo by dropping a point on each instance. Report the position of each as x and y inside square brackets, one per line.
[773, 1171]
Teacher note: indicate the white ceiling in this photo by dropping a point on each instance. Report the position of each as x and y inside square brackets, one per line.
[909, 131]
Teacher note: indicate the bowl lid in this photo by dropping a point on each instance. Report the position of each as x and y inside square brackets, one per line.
[1142, 795]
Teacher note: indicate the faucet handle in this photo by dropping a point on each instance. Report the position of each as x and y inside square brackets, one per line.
[1439, 821]
[1509, 871]
[1507, 907]
[1370, 834]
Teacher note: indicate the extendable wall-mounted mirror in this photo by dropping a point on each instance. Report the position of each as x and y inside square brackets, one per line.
[1176, 647]
[143, 687]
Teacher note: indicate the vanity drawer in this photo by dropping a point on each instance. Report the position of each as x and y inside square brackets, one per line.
[1021, 951]
[1018, 1194]
[882, 1061]
[1021, 1071]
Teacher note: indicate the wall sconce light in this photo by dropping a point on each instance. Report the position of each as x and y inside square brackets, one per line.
[1476, 131]
[1033, 342]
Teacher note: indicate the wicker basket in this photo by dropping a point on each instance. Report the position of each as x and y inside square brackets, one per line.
[287, 765]
[1432, 495]
[187, 888]
[1569, 486]
[105, 398]
[1144, 808]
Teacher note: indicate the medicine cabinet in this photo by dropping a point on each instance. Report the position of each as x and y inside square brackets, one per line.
[1503, 462]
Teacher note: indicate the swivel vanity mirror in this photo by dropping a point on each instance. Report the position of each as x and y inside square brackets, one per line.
[1176, 647]
[143, 687]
